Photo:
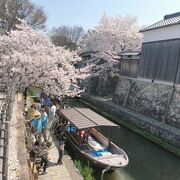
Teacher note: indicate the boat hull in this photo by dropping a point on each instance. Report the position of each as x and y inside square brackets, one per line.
[89, 159]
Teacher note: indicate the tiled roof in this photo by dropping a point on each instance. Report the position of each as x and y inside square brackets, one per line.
[163, 23]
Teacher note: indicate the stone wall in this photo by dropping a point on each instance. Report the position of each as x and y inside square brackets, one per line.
[150, 99]
[141, 123]
[121, 90]
[101, 86]
[174, 109]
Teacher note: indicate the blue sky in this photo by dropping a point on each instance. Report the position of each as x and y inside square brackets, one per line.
[87, 13]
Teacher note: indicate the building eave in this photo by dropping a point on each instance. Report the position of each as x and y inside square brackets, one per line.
[144, 30]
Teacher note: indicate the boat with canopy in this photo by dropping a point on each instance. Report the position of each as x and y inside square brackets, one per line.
[83, 136]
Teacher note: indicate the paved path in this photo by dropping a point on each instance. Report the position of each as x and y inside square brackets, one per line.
[55, 171]
[67, 171]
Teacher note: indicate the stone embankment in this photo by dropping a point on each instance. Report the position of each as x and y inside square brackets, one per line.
[151, 107]
[158, 101]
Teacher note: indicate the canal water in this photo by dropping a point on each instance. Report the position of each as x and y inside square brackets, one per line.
[147, 161]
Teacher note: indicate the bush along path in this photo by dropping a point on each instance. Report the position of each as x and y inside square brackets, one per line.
[86, 171]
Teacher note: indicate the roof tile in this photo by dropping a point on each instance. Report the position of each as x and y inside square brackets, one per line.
[162, 23]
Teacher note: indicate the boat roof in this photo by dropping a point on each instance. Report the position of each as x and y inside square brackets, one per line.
[84, 118]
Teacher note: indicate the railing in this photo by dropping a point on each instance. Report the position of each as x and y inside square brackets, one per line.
[7, 95]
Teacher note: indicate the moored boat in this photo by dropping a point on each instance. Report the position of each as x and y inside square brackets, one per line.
[86, 140]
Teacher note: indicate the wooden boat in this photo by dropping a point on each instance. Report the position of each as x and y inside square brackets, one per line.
[82, 135]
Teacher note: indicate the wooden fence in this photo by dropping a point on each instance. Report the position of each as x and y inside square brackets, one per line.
[160, 61]
[130, 67]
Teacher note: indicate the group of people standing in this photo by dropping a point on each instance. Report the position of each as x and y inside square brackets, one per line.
[41, 117]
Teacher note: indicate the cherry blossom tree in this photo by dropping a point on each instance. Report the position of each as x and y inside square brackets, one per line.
[101, 63]
[113, 35]
[32, 57]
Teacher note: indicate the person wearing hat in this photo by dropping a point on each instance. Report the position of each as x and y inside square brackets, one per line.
[31, 112]
[37, 123]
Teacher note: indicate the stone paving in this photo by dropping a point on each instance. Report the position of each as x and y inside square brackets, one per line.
[55, 171]
[67, 171]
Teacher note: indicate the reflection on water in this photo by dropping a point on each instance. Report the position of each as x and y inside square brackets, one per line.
[118, 175]
[147, 161]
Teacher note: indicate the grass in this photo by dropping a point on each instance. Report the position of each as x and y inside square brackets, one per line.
[34, 91]
[85, 171]
[136, 129]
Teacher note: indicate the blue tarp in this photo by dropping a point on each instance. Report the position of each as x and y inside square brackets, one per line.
[73, 129]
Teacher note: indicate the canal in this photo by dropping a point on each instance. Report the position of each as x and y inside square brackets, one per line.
[147, 161]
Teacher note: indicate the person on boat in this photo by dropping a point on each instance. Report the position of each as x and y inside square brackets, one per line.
[61, 150]
[84, 135]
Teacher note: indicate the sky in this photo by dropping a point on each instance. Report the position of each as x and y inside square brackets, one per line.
[87, 13]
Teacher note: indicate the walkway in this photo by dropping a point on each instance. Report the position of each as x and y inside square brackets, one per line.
[55, 171]
[67, 171]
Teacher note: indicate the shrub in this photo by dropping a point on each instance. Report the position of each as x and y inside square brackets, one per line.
[86, 171]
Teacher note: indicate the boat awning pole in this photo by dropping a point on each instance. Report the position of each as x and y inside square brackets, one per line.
[79, 138]
[88, 133]
[109, 137]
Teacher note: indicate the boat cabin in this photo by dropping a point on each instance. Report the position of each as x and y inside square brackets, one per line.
[82, 124]
[83, 136]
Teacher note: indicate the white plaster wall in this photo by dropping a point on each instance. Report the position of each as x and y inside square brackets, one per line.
[169, 32]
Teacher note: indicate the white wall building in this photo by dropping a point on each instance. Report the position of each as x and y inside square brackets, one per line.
[160, 55]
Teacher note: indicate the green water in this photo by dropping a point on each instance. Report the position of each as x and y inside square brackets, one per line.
[147, 161]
